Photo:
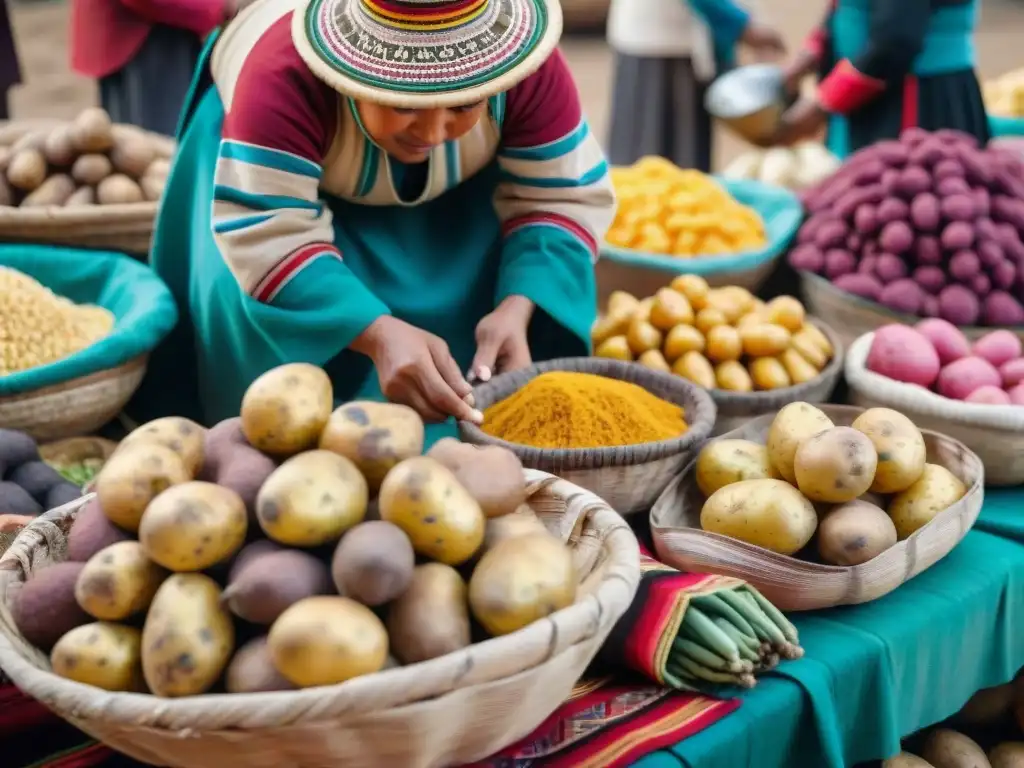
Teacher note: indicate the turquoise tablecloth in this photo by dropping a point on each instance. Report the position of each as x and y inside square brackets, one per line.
[877, 672]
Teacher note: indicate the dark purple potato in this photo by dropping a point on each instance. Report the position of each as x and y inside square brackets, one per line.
[975, 164]
[964, 266]
[913, 181]
[958, 305]
[893, 209]
[16, 448]
[892, 153]
[927, 153]
[890, 182]
[982, 202]
[1001, 309]
[927, 250]
[870, 248]
[852, 200]
[913, 136]
[868, 172]
[839, 262]
[807, 258]
[832, 234]
[867, 265]
[945, 169]
[864, 286]
[865, 219]
[957, 236]
[890, 267]
[986, 229]
[925, 212]
[1004, 275]
[981, 285]
[931, 279]
[896, 237]
[36, 477]
[959, 208]
[952, 185]
[854, 243]
[990, 254]
[902, 296]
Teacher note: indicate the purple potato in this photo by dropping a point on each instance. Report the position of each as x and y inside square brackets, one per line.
[958, 305]
[913, 136]
[892, 209]
[864, 286]
[981, 285]
[957, 236]
[867, 265]
[964, 266]
[931, 279]
[986, 228]
[1001, 309]
[975, 164]
[927, 153]
[990, 253]
[982, 202]
[808, 258]
[839, 262]
[959, 208]
[854, 243]
[952, 185]
[896, 237]
[852, 200]
[913, 181]
[865, 219]
[945, 169]
[902, 296]
[830, 235]
[893, 154]
[890, 267]
[927, 250]
[953, 136]
[930, 306]
[925, 212]
[1004, 275]
[890, 182]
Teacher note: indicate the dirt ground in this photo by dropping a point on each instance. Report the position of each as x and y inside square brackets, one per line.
[51, 90]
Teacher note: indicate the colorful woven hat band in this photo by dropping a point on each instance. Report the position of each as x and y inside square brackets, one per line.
[425, 53]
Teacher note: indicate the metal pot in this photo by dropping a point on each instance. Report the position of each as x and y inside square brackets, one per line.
[750, 100]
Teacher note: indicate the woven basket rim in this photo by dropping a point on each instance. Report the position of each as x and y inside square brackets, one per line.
[795, 392]
[615, 456]
[134, 709]
[975, 495]
[139, 361]
[910, 397]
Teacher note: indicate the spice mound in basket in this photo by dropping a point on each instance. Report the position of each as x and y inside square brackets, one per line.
[569, 410]
[291, 547]
[854, 491]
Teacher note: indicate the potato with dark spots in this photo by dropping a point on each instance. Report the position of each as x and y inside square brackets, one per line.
[252, 670]
[835, 466]
[794, 424]
[373, 563]
[521, 580]
[266, 584]
[183, 436]
[440, 517]
[900, 446]
[764, 513]
[91, 532]
[285, 410]
[193, 526]
[722, 462]
[431, 618]
[853, 533]
[118, 581]
[493, 475]
[936, 490]
[327, 640]
[133, 477]
[312, 499]
[45, 609]
[103, 655]
[374, 436]
[188, 637]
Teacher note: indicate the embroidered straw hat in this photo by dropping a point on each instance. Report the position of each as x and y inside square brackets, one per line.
[420, 54]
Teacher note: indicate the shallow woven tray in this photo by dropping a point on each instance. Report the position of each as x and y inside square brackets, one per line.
[125, 227]
[994, 432]
[452, 710]
[799, 585]
[75, 407]
[629, 477]
[737, 408]
[852, 316]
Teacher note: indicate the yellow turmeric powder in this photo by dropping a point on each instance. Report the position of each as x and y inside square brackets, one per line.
[581, 410]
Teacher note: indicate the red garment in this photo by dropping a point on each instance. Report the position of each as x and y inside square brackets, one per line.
[106, 34]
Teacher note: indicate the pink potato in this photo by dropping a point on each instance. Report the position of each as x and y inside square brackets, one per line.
[932, 279]
[988, 395]
[960, 378]
[901, 353]
[865, 286]
[1017, 395]
[949, 342]
[959, 305]
[998, 347]
[901, 295]
[1012, 372]
[807, 257]
[1001, 309]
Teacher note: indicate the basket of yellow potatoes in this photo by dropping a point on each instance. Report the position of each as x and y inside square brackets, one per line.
[674, 221]
[75, 331]
[753, 357]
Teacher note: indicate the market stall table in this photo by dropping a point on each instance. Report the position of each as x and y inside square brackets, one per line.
[877, 672]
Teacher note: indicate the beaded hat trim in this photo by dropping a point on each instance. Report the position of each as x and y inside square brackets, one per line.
[425, 53]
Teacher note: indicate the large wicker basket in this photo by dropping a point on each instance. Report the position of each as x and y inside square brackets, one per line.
[800, 585]
[76, 407]
[629, 477]
[737, 408]
[994, 432]
[124, 227]
[852, 316]
[449, 711]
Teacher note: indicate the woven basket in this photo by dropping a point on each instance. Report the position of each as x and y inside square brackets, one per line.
[452, 710]
[125, 227]
[994, 432]
[799, 585]
[76, 407]
[737, 408]
[630, 477]
[853, 316]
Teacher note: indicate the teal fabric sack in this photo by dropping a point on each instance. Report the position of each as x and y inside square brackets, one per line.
[1005, 126]
[780, 209]
[142, 305]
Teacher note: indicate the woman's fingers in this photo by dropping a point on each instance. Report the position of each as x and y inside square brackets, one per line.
[442, 397]
[449, 369]
[412, 397]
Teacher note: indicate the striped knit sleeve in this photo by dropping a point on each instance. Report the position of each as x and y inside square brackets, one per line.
[269, 223]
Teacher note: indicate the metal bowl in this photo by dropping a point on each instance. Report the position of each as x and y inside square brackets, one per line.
[750, 100]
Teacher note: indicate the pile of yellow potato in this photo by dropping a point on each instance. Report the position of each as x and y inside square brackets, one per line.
[295, 546]
[718, 338]
[1004, 96]
[38, 327]
[860, 488]
[664, 209]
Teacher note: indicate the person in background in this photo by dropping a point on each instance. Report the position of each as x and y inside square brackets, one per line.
[143, 52]
[885, 66]
[10, 72]
[666, 53]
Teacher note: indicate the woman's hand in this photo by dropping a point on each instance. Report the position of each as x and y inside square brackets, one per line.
[501, 339]
[800, 67]
[801, 121]
[416, 368]
[766, 43]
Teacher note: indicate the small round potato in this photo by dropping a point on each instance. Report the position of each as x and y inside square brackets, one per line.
[193, 526]
[285, 410]
[521, 580]
[900, 446]
[766, 513]
[835, 466]
[934, 491]
[103, 655]
[188, 636]
[722, 462]
[431, 618]
[327, 640]
[133, 477]
[252, 670]
[493, 475]
[444, 522]
[373, 563]
[182, 436]
[374, 437]
[118, 582]
[853, 533]
[792, 425]
[312, 499]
